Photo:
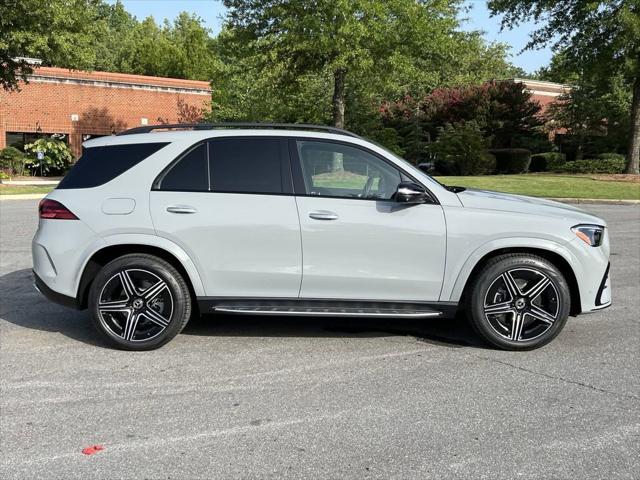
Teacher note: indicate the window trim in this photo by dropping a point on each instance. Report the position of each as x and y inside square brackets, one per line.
[298, 177]
[285, 167]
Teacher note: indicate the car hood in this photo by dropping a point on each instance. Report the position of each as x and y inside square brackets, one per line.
[507, 202]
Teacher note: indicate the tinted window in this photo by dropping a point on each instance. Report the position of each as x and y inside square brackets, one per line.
[251, 165]
[189, 173]
[99, 165]
[335, 170]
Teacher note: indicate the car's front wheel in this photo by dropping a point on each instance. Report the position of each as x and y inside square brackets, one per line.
[139, 302]
[519, 302]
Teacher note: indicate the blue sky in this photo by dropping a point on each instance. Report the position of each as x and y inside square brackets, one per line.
[211, 11]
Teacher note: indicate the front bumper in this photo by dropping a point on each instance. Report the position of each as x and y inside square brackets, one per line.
[54, 296]
[603, 297]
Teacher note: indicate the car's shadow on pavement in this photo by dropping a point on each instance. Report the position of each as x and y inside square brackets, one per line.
[22, 305]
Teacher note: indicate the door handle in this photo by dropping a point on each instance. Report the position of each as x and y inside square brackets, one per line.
[323, 215]
[181, 209]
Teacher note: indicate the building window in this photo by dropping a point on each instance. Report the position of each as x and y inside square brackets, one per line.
[20, 139]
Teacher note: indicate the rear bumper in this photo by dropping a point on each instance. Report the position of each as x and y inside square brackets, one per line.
[54, 296]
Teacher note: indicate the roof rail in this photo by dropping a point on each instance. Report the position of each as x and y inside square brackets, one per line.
[229, 125]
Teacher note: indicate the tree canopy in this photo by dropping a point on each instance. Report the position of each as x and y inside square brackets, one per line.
[360, 48]
[60, 32]
[95, 35]
[599, 38]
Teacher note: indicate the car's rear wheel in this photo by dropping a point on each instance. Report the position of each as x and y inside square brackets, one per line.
[139, 302]
[519, 302]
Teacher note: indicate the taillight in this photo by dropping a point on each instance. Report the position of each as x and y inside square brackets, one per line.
[55, 210]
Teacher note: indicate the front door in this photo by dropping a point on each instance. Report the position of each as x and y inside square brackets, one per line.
[228, 203]
[357, 242]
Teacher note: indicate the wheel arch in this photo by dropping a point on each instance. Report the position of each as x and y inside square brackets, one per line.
[174, 256]
[553, 256]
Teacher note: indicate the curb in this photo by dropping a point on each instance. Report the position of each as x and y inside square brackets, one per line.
[23, 196]
[30, 182]
[596, 201]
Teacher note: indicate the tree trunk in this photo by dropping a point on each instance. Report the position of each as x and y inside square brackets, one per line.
[580, 147]
[338, 97]
[633, 153]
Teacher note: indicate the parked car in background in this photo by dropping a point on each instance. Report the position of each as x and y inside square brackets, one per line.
[157, 224]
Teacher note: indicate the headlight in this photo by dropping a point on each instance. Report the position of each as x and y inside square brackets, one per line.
[590, 234]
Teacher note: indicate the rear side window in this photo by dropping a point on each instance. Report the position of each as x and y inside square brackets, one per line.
[249, 165]
[189, 173]
[99, 165]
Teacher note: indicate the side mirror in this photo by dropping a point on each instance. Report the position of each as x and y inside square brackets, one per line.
[409, 192]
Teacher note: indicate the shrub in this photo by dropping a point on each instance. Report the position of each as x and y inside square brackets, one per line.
[615, 165]
[4, 175]
[57, 156]
[12, 160]
[461, 150]
[512, 160]
[611, 156]
[541, 162]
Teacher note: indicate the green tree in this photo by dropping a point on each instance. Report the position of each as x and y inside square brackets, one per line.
[195, 58]
[112, 42]
[595, 112]
[461, 149]
[601, 38]
[503, 110]
[58, 32]
[367, 49]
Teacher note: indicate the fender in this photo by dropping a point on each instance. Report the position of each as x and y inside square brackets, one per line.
[151, 241]
[452, 290]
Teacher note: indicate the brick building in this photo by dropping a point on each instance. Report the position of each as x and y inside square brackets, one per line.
[76, 106]
[543, 92]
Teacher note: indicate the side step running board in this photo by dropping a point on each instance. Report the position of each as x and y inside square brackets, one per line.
[327, 310]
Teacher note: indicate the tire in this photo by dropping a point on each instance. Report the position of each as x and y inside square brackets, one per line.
[139, 302]
[522, 314]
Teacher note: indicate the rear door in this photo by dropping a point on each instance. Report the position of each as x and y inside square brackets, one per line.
[358, 243]
[228, 202]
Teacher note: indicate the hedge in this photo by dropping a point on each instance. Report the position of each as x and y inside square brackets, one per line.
[615, 165]
[611, 156]
[543, 162]
[511, 160]
[12, 160]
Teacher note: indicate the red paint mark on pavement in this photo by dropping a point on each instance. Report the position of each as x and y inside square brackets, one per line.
[92, 449]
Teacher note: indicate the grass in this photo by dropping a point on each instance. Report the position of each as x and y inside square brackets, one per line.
[22, 189]
[549, 185]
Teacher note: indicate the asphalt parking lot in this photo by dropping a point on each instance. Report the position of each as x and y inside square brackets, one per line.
[299, 398]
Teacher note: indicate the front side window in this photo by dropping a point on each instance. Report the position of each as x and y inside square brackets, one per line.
[189, 173]
[336, 170]
[247, 165]
[99, 165]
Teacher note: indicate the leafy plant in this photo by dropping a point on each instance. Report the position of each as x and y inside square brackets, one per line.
[13, 160]
[541, 162]
[461, 150]
[611, 166]
[57, 156]
[503, 110]
[512, 160]
[610, 156]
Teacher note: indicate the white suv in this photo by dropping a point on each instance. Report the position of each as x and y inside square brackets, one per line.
[158, 223]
